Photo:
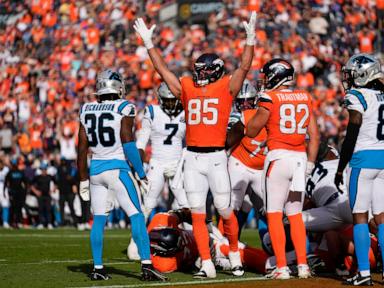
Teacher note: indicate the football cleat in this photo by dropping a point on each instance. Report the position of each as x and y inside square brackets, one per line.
[148, 273]
[236, 265]
[359, 280]
[282, 273]
[99, 274]
[207, 270]
[303, 271]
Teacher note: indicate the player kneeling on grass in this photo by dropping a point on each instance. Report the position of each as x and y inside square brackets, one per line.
[106, 128]
[363, 149]
[174, 247]
[288, 117]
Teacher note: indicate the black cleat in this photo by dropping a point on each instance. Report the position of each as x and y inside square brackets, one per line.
[99, 274]
[148, 273]
[359, 280]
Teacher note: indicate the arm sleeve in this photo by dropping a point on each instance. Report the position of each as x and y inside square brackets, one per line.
[265, 101]
[354, 100]
[145, 132]
[133, 156]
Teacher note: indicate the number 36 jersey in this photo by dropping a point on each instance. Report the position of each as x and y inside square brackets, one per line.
[287, 125]
[166, 134]
[102, 123]
[369, 149]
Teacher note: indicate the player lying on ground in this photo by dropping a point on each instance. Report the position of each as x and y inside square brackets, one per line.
[207, 100]
[288, 118]
[174, 248]
[363, 149]
[106, 128]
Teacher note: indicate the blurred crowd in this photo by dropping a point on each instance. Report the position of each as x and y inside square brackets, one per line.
[51, 51]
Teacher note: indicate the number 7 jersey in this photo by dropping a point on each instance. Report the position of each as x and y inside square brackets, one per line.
[290, 112]
[102, 123]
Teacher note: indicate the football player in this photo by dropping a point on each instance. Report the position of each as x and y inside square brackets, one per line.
[207, 100]
[106, 128]
[164, 126]
[4, 197]
[245, 165]
[288, 118]
[363, 149]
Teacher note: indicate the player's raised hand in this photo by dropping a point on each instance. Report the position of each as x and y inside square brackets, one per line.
[250, 29]
[144, 32]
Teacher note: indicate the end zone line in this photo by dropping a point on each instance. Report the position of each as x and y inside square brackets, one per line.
[161, 284]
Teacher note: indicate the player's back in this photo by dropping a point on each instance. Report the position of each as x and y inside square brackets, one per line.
[370, 103]
[249, 151]
[207, 111]
[290, 112]
[102, 123]
[167, 133]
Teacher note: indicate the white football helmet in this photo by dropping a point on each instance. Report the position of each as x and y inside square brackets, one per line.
[169, 103]
[110, 82]
[360, 70]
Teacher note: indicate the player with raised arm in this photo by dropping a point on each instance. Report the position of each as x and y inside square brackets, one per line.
[207, 99]
[106, 128]
[363, 149]
[164, 126]
[245, 165]
[288, 118]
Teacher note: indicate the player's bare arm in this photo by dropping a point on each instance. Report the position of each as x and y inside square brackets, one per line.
[257, 122]
[314, 140]
[240, 73]
[234, 135]
[157, 60]
[354, 123]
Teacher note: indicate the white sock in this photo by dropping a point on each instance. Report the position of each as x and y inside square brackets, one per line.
[146, 262]
[365, 273]
[98, 266]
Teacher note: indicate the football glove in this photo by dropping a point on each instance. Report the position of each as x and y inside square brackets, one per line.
[84, 190]
[144, 184]
[250, 29]
[339, 181]
[144, 32]
[309, 169]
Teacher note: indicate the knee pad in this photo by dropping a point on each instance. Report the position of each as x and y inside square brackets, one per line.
[225, 213]
[221, 200]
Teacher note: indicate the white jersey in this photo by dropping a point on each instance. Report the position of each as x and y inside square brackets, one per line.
[165, 133]
[102, 123]
[369, 147]
[320, 186]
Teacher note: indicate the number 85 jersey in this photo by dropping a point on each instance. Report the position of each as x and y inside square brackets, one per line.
[290, 112]
[102, 123]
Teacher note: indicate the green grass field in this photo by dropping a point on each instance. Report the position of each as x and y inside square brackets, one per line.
[62, 258]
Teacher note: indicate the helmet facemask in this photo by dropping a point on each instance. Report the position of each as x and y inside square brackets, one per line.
[204, 74]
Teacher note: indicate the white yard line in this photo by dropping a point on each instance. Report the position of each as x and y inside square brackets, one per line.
[36, 235]
[162, 284]
[65, 261]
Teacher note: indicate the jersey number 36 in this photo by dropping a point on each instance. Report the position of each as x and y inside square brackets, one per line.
[98, 132]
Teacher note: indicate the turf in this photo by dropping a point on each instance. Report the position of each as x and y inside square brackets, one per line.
[62, 258]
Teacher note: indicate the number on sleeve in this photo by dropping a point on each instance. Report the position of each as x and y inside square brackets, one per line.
[174, 127]
[208, 114]
[288, 121]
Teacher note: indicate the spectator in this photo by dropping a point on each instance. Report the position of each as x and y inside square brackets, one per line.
[42, 187]
[16, 183]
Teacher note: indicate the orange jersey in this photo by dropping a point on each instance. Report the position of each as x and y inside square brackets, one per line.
[249, 151]
[207, 111]
[183, 259]
[288, 121]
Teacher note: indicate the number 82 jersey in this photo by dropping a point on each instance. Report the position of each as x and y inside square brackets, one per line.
[290, 112]
[102, 123]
